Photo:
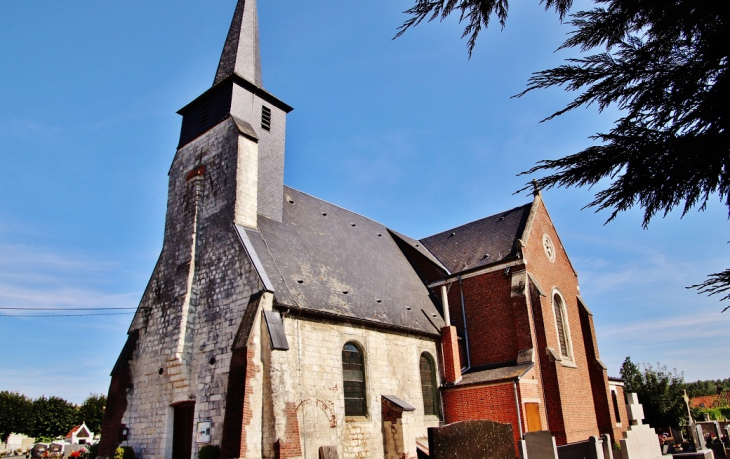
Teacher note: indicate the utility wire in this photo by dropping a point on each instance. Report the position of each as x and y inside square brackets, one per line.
[65, 315]
[66, 309]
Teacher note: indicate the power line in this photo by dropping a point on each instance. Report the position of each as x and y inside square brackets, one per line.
[65, 315]
[66, 309]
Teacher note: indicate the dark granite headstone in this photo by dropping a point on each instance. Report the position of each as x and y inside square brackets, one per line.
[472, 440]
[539, 445]
[328, 452]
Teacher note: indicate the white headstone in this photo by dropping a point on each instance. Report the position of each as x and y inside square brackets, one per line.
[640, 441]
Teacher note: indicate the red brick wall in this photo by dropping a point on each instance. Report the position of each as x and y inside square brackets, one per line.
[116, 405]
[248, 415]
[497, 323]
[599, 378]
[450, 348]
[573, 393]
[290, 445]
[494, 403]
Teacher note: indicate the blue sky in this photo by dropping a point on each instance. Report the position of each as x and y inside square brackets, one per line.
[408, 132]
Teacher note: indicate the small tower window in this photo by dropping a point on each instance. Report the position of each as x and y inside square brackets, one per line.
[266, 117]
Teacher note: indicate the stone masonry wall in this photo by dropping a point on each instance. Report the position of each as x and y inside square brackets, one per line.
[307, 390]
[179, 360]
[247, 106]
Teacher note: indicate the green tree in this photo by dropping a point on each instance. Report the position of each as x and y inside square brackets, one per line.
[53, 416]
[660, 392]
[92, 412]
[664, 64]
[15, 414]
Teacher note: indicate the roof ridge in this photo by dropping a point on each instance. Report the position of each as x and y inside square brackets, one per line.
[475, 221]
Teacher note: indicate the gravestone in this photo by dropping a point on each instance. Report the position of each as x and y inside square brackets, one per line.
[640, 441]
[479, 439]
[538, 445]
[699, 436]
[328, 452]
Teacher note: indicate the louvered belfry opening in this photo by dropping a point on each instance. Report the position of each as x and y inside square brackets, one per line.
[353, 375]
[560, 320]
[266, 117]
[428, 385]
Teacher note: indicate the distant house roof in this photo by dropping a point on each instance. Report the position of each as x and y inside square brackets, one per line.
[708, 401]
[80, 431]
[327, 260]
[479, 243]
[72, 431]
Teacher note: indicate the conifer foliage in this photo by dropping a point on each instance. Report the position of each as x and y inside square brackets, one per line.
[664, 64]
[476, 13]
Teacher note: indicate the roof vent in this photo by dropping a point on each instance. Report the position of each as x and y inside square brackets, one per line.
[291, 201]
[324, 214]
[433, 315]
[352, 224]
[300, 281]
[378, 301]
[380, 234]
[452, 235]
[408, 308]
[501, 218]
[345, 292]
[486, 257]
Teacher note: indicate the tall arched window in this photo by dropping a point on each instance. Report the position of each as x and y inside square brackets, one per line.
[353, 375]
[561, 322]
[428, 385]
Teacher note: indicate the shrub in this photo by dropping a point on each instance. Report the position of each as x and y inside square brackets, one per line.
[209, 452]
[92, 449]
[124, 452]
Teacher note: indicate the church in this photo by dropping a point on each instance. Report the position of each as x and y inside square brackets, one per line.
[278, 325]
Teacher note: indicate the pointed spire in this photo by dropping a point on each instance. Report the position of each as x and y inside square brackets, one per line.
[241, 52]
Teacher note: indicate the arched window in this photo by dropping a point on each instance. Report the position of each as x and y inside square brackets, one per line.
[428, 385]
[561, 322]
[353, 375]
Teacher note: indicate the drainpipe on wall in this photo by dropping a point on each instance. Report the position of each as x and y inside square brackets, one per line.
[466, 333]
[445, 305]
[517, 403]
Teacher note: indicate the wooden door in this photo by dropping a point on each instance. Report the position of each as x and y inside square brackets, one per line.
[532, 413]
[182, 431]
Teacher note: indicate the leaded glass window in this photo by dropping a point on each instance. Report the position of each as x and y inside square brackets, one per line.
[353, 375]
[428, 385]
[562, 325]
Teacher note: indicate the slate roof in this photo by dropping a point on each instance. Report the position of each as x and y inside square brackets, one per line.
[327, 260]
[479, 243]
[492, 375]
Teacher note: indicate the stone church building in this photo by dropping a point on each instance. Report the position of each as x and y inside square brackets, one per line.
[276, 324]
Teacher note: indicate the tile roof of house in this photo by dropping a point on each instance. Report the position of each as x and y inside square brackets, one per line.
[72, 431]
[481, 242]
[707, 401]
[324, 259]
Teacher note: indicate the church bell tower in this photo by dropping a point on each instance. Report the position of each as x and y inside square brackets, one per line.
[238, 93]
